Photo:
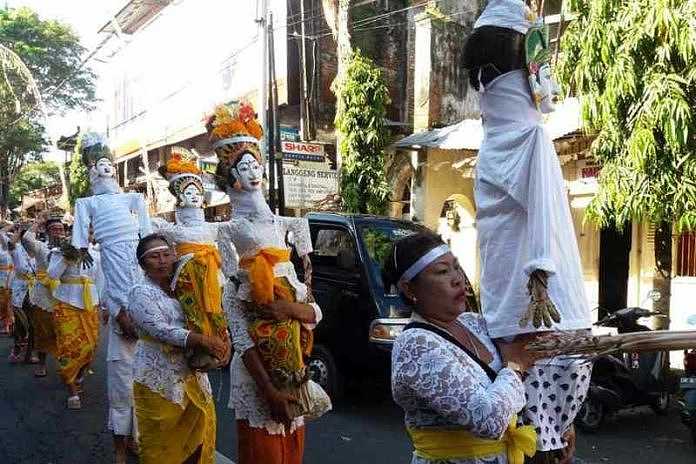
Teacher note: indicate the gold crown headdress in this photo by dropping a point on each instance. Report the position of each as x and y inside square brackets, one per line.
[234, 131]
[181, 170]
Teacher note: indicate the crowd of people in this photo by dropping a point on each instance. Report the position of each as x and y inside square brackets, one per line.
[176, 300]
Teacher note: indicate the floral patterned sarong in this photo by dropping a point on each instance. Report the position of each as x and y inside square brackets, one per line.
[77, 333]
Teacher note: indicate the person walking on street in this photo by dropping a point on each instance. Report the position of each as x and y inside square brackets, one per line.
[174, 406]
[460, 395]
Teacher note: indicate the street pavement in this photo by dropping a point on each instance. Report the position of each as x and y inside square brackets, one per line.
[365, 427]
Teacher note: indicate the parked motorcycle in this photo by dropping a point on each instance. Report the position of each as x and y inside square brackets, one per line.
[687, 385]
[625, 380]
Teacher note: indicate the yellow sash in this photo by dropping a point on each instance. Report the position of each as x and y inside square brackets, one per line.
[43, 279]
[261, 276]
[86, 283]
[209, 256]
[445, 444]
[30, 279]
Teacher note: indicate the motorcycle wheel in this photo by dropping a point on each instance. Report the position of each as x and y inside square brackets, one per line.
[661, 404]
[590, 416]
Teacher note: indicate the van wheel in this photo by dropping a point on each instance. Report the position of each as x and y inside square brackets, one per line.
[322, 369]
[661, 404]
[590, 416]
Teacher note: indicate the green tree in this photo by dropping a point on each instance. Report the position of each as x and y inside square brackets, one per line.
[33, 176]
[23, 141]
[78, 175]
[634, 65]
[362, 99]
[41, 71]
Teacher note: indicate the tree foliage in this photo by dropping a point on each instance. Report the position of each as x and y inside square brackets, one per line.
[18, 143]
[53, 54]
[634, 65]
[41, 69]
[78, 175]
[362, 99]
[33, 176]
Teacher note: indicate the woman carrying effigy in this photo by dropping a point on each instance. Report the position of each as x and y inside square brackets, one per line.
[271, 313]
[531, 279]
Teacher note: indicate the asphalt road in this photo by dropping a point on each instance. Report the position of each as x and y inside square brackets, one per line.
[366, 427]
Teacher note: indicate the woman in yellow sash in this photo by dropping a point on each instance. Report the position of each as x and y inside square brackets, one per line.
[173, 404]
[75, 316]
[460, 396]
[41, 295]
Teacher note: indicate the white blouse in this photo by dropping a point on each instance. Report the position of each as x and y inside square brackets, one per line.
[438, 385]
[71, 293]
[40, 295]
[159, 361]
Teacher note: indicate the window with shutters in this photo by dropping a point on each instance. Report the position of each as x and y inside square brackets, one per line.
[686, 255]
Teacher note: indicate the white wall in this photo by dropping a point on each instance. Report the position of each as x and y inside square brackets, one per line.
[195, 54]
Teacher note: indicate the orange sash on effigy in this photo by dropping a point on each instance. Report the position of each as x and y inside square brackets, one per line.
[282, 344]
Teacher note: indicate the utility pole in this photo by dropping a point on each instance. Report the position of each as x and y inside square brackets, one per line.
[277, 157]
[270, 131]
[262, 104]
[305, 125]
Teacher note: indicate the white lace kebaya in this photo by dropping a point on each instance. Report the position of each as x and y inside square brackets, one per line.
[159, 362]
[438, 385]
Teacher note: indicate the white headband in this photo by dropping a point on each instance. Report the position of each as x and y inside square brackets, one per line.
[154, 249]
[424, 261]
[237, 139]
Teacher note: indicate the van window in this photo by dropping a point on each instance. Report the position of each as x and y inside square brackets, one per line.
[330, 242]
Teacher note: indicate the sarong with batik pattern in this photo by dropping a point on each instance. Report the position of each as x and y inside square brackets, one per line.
[77, 333]
[43, 330]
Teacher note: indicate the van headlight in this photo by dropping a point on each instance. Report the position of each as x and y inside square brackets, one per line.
[386, 330]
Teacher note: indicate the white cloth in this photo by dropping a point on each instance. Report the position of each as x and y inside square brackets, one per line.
[23, 266]
[555, 391]
[5, 261]
[121, 271]
[72, 293]
[119, 375]
[249, 234]
[510, 14]
[159, 362]
[523, 213]
[116, 217]
[40, 295]
[439, 385]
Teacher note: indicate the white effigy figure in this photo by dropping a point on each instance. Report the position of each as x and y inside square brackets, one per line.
[271, 313]
[199, 278]
[531, 278]
[118, 220]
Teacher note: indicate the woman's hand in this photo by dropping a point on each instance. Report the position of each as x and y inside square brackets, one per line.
[568, 453]
[278, 310]
[214, 345]
[126, 324]
[516, 351]
[279, 404]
